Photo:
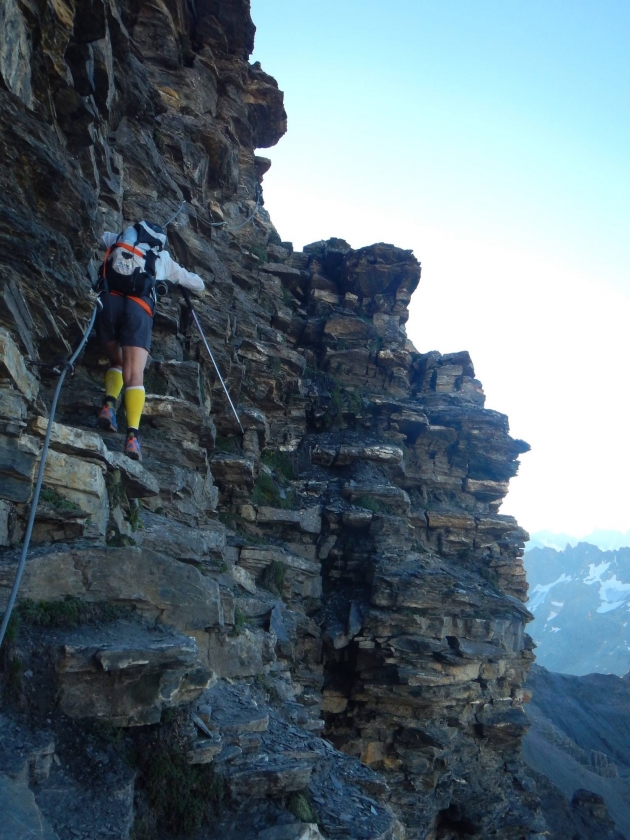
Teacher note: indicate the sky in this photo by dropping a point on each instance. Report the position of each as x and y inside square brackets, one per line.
[491, 138]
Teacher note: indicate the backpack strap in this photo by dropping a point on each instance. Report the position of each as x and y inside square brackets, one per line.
[150, 259]
[129, 248]
[146, 238]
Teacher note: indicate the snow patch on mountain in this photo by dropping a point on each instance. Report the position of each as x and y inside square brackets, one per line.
[539, 593]
[595, 573]
[609, 593]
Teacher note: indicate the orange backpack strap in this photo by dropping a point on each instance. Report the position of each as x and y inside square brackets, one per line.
[137, 300]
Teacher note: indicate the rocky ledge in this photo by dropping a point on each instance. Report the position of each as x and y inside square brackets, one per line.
[314, 628]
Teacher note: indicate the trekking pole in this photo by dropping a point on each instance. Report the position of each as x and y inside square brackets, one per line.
[186, 294]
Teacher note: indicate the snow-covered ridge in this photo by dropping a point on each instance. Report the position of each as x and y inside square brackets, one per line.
[580, 598]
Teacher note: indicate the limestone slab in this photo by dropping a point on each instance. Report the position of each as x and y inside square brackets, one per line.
[158, 586]
[126, 673]
[13, 366]
[71, 440]
[17, 468]
[138, 482]
[20, 817]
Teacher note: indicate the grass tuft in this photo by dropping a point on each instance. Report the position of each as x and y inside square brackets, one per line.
[266, 492]
[133, 517]
[272, 578]
[115, 489]
[299, 805]
[181, 796]
[56, 500]
[280, 462]
[71, 612]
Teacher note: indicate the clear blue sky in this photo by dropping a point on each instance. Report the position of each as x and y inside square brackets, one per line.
[492, 138]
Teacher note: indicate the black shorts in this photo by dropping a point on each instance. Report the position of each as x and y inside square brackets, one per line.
[125, 321]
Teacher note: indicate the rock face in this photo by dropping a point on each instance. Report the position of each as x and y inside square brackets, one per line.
[331, 597]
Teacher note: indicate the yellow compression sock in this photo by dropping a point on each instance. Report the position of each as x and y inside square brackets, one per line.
[134, 403]
[113, 383]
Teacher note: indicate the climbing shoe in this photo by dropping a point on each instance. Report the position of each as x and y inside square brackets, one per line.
[107, 418]
[132, 447]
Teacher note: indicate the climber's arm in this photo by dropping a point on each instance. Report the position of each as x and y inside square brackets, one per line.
[168, 269]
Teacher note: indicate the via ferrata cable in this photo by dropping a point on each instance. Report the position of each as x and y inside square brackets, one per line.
[65, 367]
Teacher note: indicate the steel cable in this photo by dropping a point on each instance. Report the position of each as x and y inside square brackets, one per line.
[67, 365]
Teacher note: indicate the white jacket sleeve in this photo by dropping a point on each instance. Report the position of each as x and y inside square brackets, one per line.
[167, 269]
[107, 240]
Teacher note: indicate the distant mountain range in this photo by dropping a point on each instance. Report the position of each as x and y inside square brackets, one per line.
[606, 540]
[580, 598]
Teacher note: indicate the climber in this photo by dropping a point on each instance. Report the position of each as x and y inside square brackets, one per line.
[134, 261]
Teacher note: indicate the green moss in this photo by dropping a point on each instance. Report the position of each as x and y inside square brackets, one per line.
[158, 139]
[265, 491]
[115, 489]
[71, 612]
[144, 829]
[241, 526]
[108, 733]
[154, 383]
[272, 578]
[51, 497]
[240, 621]
[13, 628]
[367, 502]
[272, 691]
[299, 805]
[14, 677]
[182, 796]
[354, 402]
[133, 517]
[259, 252]
[226, 444]
[336, 410]
[121, 541]
[280, 462]
[375, 505]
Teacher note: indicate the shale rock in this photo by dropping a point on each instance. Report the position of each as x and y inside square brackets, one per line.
[327, 609]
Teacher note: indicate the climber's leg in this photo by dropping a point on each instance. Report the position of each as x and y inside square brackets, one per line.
[134, 362]
[113, 387]
[129, 353]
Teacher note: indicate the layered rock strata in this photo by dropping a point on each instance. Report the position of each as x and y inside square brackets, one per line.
[331, 596]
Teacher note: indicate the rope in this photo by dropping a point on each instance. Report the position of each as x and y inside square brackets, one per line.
[252, 215]
[249, 218]
[175, 215]
[67, 366]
